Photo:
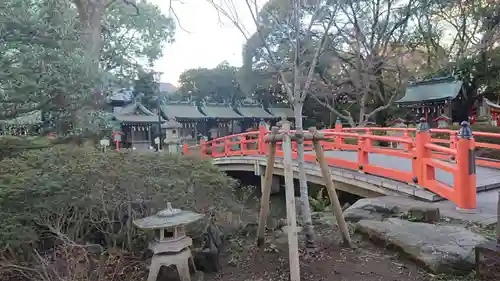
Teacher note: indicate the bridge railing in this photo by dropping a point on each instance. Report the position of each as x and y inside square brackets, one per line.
[442, 137]
[425, 154]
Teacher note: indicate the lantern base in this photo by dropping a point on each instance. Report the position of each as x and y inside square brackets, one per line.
[182, 261]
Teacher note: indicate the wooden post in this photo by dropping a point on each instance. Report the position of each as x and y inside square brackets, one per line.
[291, 216]
[266, 189]
[330, 187]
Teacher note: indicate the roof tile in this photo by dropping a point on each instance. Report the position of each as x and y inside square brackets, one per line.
[182, 111]
[254, 112]
[220, 112]
[431, 92]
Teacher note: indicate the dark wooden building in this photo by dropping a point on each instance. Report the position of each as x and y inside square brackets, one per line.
[188, 115]
[433, 98]
[138, 124]
[253, 113]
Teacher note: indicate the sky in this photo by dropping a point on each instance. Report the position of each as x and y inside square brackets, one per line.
[206, 42]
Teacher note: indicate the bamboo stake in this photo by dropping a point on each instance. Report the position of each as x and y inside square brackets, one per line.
[266, 190]
[293, 244]
[330, 187]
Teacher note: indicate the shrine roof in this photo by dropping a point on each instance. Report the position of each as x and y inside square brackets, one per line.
[136, 113]
[182, 110]
[432, 90]
[254, 112]
[220, 111]
[281, 111]
[491, 104]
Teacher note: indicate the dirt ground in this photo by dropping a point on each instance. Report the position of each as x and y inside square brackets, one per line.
[331, 261]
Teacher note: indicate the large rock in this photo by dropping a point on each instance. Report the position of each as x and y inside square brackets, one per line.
[371, 209]
[443, 249]
[424, 214]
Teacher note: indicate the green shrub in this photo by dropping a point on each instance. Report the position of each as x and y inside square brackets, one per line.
[91, 196]
[11, 146]
[319, 203]
[374, 142]
[481, 152]
[486, 152]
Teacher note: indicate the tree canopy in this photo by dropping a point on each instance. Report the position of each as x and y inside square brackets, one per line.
[220, 84]
[371, 49]
[46, 66]
[39, 56]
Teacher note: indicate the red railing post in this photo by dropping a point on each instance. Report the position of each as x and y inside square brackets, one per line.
[203, 148]
[362, 153]
[368, 142]
[243, 144]
[185, 149]
[465, 178]
[227, 146]
[453, 140]
[261, 142]
[422, 137]
[407, 135]
[338, 129]
[214, 145]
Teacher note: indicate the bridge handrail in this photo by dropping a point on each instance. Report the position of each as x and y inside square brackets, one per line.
[450, 140]
[425, 154]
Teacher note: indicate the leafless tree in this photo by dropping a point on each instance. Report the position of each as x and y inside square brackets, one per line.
[365, 61]
[285, 31]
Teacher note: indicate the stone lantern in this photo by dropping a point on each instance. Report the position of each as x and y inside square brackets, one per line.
[172, 135]
[170, 245]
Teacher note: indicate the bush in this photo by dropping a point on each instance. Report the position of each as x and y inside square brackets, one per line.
[87, 195]
[481, 152]
[486, 152]
[11, 146]
[354, 141]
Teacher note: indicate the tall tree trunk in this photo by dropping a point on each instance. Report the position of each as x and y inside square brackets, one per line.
[90, 14]
[91, 29]
[304, 191]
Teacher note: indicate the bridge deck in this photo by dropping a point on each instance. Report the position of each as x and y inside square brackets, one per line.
[487, 178]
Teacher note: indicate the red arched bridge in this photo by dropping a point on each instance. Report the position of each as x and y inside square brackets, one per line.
[431, 164]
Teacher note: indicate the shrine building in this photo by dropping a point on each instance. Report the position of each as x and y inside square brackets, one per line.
[140, 126]
[489, 110]
[437, 100]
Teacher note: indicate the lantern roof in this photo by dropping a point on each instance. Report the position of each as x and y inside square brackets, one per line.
[169, 217]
